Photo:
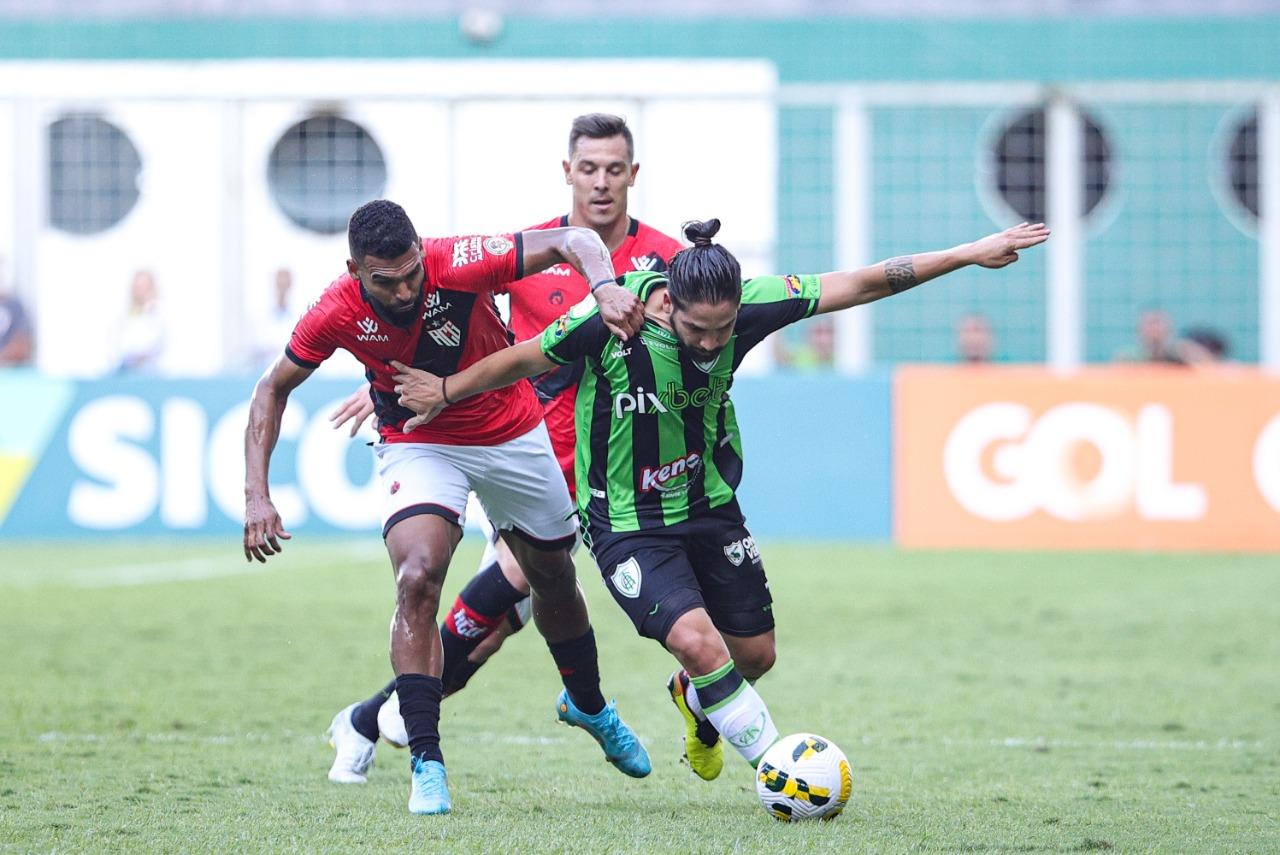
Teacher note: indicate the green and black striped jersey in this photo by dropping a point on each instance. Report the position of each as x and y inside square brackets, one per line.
[657, 439]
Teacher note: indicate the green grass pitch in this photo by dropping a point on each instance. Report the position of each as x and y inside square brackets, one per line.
[164, 697]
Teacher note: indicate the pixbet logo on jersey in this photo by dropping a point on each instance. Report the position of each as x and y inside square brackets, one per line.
[671, 398]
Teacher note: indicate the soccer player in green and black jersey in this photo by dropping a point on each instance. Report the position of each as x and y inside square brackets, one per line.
[659, 456]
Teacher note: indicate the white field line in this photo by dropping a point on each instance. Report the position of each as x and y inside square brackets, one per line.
[182, 570]
[1221, 744]
[56, 736]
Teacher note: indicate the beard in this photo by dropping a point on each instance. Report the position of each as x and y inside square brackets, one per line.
[705, 360]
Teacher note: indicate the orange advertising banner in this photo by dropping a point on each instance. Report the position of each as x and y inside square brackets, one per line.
[1105, 458]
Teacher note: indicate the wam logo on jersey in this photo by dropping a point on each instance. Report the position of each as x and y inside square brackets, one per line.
[369, 331]
[626, 578]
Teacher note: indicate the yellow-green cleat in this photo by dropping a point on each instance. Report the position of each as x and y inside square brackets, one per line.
[703, 747]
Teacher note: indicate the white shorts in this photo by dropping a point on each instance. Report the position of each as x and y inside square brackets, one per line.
[518, 483]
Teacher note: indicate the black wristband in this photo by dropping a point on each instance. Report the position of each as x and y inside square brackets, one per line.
[596, 285]
[444, 392]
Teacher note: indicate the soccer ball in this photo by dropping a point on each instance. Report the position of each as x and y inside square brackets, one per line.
[804, 776]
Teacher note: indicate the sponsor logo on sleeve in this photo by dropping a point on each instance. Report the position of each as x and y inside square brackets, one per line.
[583, 308]
[794, 286]
[498, 245]
[467, 250]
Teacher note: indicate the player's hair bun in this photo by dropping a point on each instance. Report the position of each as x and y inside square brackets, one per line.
[700, 232]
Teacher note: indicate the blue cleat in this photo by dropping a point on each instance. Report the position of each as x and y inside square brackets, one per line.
[428, 789]
[621, 747]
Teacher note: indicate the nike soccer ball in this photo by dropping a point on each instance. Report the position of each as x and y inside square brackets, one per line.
[804, 776]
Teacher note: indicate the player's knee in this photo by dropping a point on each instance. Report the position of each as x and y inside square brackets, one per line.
[419, 579]
[699, 648]
[549, 570]
[756, 662]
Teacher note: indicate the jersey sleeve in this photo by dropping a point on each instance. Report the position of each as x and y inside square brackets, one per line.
[770, 303]
[476, 263]
[578, 333]
[313, 339]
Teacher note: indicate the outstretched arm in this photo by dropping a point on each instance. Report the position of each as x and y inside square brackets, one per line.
[583, 250]
[867, 284]
[262, 524]
[426, 394]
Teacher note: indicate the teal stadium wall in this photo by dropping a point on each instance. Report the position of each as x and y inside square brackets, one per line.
[1163, 237]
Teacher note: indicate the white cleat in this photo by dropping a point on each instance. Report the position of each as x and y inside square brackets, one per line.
[390, 724]
[354, 752]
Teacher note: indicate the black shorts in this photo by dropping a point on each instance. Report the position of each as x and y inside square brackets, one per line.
[709, 562]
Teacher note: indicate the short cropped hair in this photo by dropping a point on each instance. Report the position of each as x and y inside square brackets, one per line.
[380, 228]
[601, 126]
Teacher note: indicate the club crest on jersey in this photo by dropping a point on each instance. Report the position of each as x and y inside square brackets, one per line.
[446, 335]
[369, 331]
[556, 297]
[643, 262]
[740, 550]
[794, 286]
[626, 578]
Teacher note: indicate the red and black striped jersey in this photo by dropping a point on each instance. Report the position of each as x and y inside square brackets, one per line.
[454, 325]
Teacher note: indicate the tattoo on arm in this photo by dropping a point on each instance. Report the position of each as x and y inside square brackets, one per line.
[900, 273]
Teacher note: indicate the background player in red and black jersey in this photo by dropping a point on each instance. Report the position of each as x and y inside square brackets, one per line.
[601, 168]
[407, 301]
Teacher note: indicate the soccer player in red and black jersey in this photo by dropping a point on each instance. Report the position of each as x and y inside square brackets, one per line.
[406, 301]
[601, 168]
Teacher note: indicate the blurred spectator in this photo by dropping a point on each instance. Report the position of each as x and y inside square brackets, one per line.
[273, 334]
[975, 343]
[1155, 340]
[1203, 346]
[16, 339]
[817, 351]
[141, 337]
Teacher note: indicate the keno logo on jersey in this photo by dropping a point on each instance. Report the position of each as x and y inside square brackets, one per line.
[659, 477]
[369, 331]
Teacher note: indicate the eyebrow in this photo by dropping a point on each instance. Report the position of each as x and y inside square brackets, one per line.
[395, 273]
